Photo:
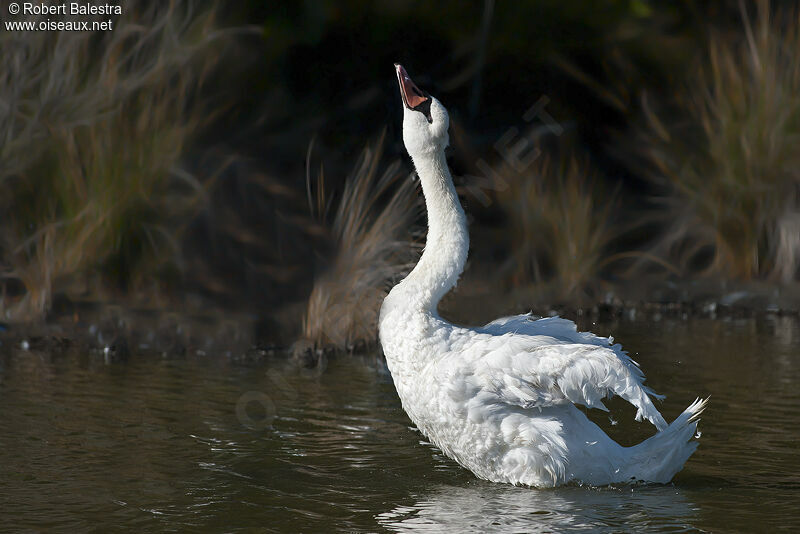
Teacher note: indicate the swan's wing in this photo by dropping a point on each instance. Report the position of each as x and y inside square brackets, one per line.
[563, 331]
[556, 327]
[540, 371]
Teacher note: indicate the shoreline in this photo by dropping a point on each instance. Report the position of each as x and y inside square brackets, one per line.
[113, 332]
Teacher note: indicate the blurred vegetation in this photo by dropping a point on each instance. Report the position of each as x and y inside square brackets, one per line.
[166, 164]
[561, 224]
[374, 249]
[94, 127]
[726, 159]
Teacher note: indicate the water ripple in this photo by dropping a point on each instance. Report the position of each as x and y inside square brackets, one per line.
[155, 445]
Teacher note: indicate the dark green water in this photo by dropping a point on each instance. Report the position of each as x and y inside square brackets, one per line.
[183, 444]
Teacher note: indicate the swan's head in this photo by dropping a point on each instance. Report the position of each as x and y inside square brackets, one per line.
[425, 120]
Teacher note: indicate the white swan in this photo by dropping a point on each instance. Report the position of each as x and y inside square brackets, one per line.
[499, 399]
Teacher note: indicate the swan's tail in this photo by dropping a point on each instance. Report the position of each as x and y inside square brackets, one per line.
[659, 457]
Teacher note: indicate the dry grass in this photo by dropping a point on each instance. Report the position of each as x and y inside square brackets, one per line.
[93, 127]
[560, 224]
[374, 248]
[729, 175]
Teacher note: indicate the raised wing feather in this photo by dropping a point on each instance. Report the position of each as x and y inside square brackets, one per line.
[557, 327]
[566, 331]
[553, 366]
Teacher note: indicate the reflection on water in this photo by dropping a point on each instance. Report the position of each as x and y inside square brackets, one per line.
[484, 507]
[199, 444]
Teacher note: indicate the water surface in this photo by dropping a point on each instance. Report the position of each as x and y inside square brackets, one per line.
[196, 443]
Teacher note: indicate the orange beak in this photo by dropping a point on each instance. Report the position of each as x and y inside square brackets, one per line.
[412, 95]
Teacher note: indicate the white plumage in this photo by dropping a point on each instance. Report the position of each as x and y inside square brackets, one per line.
[500, 399]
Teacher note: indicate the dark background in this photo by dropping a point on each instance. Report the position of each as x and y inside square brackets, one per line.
[276, 101]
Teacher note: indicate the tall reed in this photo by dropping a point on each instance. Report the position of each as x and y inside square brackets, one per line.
[561, 223]
[727, 163]
[371, 227]
[94, 126]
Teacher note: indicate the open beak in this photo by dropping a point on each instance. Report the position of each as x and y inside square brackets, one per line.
[412, 95]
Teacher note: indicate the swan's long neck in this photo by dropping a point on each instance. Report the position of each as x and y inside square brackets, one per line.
[447, 243]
